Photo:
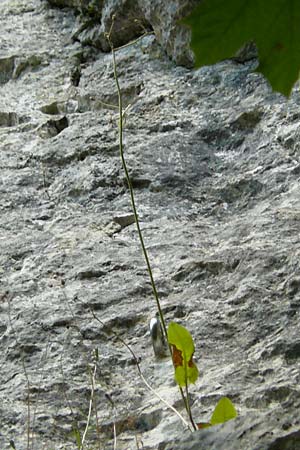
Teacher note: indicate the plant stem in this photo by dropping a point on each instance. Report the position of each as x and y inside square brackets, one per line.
[136, 218]
[188, 406]
[141, 374]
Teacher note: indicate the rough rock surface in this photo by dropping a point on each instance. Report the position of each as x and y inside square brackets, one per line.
[132, 19]
[214, 160]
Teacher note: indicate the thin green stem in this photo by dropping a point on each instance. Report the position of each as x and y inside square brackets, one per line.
[129, 183]
[134, 209]
[188, 406]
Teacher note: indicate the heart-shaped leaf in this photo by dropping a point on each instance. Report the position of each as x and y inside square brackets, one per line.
[183, 348]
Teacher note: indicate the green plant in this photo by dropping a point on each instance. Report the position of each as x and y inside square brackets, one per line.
[186, 372]
[78, 435]
[181, 345]
[220, 29]
[223, 412]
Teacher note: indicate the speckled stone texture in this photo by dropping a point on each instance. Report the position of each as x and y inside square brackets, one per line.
[133, 18]
[214, 159]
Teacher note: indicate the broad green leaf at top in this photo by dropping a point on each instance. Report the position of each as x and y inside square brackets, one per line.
[183, 348]
[220, 28]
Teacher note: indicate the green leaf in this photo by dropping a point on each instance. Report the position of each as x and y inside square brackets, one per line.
[224, 411]
[183, 349]
[220, 29]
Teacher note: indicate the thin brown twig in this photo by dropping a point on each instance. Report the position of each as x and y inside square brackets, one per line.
[133, 355]
[95, 366]
[140, 372]
[146, 33]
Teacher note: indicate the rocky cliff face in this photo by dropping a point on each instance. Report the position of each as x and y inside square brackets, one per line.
[132, 19]
[214, 160]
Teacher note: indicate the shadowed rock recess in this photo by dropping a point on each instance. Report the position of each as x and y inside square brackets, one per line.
[214, 158]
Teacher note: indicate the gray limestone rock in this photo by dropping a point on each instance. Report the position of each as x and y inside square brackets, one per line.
[133, 19]
[213, 156]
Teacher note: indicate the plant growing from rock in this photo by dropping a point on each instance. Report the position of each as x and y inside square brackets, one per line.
[180, 342]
